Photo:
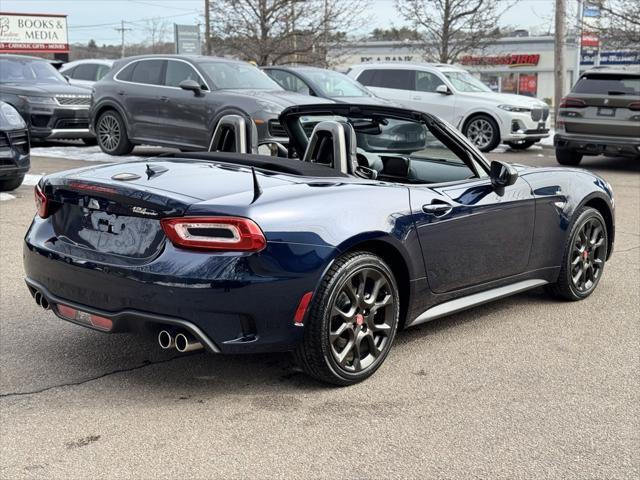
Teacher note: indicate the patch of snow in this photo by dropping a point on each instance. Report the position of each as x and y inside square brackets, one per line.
[6, 196]
[548, 142]
[31, 179]
[84, 153]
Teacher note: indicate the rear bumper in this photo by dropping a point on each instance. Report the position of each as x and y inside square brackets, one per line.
[239, 303]
[594, 145]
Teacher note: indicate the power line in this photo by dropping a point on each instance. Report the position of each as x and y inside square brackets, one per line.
[139, 20]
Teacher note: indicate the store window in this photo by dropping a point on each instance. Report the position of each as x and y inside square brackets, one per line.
[491, 80]
[509, 83]
[518, 83]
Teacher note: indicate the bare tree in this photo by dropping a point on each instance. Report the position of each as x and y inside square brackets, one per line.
[156, 31]
[283, 31]
[620, 23]
[451, 27]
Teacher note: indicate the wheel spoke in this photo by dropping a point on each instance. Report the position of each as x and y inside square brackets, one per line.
[337, 333]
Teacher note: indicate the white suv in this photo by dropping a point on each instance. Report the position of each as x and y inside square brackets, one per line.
[452, 94]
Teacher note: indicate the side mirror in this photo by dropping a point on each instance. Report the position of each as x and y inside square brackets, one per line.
[192, 86]
[502, 174]
[443, 89]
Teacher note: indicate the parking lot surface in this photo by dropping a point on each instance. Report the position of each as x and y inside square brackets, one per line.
[526, 387]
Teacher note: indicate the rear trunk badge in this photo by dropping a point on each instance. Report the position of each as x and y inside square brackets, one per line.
[124, 177]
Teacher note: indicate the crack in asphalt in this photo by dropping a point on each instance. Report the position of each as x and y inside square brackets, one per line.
[146, 363]
[626, 249]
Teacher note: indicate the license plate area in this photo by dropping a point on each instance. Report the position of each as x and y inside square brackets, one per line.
[606, 112]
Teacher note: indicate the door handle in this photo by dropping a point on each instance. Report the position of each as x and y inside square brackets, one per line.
[121, 92]
[437, 209]
[164, 99]
[416, 98]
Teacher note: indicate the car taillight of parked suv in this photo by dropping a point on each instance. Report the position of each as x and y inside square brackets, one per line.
[600, 116]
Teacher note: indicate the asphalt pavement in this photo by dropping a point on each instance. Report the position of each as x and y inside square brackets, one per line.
[526, 387]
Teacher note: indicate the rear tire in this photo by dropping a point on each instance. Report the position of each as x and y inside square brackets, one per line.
[9, 184]
[568, 157]
[483, 132]
[520, 146]
[111, 133]
[352, 321]
[584, 258]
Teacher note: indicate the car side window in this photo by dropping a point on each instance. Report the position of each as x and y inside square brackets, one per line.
[148, 72]
[388, 78]
[289, 82]
[85, 71]
[126, 72]
[427, 82]
[102, 71]
[178, 72]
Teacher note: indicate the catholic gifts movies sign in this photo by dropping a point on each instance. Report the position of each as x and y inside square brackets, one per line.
[33, 33]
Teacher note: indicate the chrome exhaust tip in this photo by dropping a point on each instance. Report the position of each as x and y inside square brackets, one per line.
[44, 303]
[186, 343]
[166, 340]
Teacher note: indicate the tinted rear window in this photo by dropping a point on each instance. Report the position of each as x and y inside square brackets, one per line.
[86, 71]
[609, 85]
[388, 78]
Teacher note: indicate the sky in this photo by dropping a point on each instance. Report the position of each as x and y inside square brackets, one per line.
[98, 19]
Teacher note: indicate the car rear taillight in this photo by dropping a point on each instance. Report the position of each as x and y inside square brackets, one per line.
[634, 106]
[214, 233]
[42, 204]
[568, 102]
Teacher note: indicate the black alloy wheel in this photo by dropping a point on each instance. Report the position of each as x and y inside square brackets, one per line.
[112, 135]
[352, 321]
[584, 258]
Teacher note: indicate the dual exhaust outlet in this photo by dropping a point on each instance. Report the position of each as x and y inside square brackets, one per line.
[182, 341]
[41, 300]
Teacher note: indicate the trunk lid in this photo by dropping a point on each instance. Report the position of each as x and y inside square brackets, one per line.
[111, 213]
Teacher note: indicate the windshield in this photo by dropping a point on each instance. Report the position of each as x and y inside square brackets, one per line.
[237, 76]
[334, 84]
[399, 150]
[14, 70]
[465, 82]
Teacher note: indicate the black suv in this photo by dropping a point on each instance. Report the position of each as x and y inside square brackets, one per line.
[51, 107]
[177, 101]
[601, 115]
[14, 148]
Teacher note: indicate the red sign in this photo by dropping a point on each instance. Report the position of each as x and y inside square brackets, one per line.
[510, 60]
[590, 40]
[528, 84]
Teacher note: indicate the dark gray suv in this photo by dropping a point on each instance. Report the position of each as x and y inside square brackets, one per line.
[177, 101]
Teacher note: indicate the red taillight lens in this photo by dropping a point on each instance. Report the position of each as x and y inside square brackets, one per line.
[569, 102]
[214, 233]
[42, 204]
[634, 106]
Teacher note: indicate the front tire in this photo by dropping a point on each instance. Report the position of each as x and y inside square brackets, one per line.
[483, 132]
[568, 157]
[352, 321]
[111, 133]
[584, 257]
[8, 184]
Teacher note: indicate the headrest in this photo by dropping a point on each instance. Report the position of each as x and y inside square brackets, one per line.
[395, 166]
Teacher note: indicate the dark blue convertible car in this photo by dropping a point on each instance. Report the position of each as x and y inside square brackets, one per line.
[372, 219]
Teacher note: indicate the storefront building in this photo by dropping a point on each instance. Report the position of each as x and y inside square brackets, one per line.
[523, 65]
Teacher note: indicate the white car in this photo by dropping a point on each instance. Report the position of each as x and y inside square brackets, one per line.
[453, 94]
[86, 72]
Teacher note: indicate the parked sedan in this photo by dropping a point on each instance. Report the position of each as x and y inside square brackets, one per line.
[323, 83]
[485, 117]
[178, 100]
[86, 72]
[14, 148]
[601, 116]
[51, 107]
[390, 218]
